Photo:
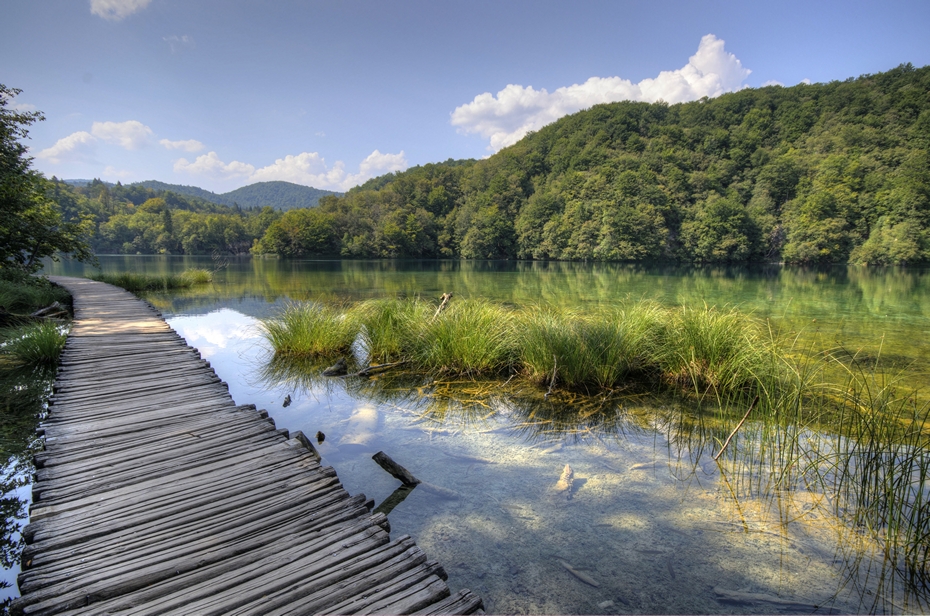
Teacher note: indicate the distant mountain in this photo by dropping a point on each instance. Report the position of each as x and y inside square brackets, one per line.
[279, 195]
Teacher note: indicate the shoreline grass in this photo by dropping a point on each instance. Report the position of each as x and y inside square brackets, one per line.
[36, 344]
[136, 283]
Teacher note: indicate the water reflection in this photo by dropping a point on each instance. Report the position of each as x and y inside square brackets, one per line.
[778, 501]
[23, 394]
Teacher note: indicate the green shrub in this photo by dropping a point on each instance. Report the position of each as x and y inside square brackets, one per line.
[39, 344]
[311, 330]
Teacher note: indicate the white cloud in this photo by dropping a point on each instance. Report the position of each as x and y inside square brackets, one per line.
[189, 145]
[131, 134]
[307, 168]
[772, 82]
[115, 10]
[76, 147]
[211, 166]
[178, 43]
[806, 81]
[516, 109]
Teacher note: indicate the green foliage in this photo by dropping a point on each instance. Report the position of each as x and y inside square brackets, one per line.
[300, 233]
[38, 344]
[31, 224]
[806, 174]
[310, 330]
[22, 294]
[708, 349]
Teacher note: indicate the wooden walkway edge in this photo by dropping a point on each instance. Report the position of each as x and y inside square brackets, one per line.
[157, 494]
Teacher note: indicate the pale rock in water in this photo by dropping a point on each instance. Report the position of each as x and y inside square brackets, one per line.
[564, 485]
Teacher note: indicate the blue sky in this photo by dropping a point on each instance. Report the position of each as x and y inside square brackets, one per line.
[224, 93]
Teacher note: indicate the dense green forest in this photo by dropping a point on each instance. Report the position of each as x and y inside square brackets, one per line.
[134, 219]
[836, 172]
[808, 174]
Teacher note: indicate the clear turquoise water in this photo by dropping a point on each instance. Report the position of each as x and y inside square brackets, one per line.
[653, 522]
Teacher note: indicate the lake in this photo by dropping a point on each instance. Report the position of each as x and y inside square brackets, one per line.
[652, 524]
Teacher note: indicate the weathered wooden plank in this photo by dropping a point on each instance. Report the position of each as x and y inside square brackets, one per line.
[462, 602]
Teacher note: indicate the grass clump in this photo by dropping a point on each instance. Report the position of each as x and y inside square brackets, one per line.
[708, 349]
[38, 344]
[311, 330]
[469, 337]
[139, 283]
[389, 327]
[598, 349]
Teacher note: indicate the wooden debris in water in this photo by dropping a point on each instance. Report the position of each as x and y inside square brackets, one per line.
[395, 469]
[581, 575]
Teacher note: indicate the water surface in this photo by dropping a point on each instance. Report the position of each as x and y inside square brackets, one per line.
[653, 524]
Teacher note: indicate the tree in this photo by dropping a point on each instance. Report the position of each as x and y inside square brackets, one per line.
[31, 223]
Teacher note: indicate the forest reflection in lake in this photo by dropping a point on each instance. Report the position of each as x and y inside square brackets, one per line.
[653, 521]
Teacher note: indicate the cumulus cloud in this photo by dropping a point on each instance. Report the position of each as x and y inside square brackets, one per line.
[188, 145]
[115, 10]
[211, 166]
[505, 118]
[307, 168]
[131, 134]
[76, 147]
[772, 82]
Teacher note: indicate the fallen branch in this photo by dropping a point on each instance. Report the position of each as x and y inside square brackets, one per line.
[378, 367]
[395, 469]
[727, 442]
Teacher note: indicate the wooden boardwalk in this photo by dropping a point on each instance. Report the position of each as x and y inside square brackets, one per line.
[157, 494]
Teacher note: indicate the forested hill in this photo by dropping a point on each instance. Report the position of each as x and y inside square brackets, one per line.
[830, 172]
[279, 195]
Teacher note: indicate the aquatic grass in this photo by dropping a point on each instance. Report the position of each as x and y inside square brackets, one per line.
[139, 283]
[311, 330]
[712, 350]
[37, 344]
[598, 349]
[389, 327]
[469, 337]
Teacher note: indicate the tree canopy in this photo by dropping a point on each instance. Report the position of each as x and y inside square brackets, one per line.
[31, 222]
[822, 173]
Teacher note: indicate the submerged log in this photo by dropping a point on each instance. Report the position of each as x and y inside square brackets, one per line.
[395, 469]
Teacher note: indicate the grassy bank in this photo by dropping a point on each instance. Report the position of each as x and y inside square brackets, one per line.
[137, 283]
[24, 340]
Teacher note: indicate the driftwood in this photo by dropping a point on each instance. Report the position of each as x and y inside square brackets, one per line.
[442, 305]
[377, 368]
[395, 469]
[53, 311]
